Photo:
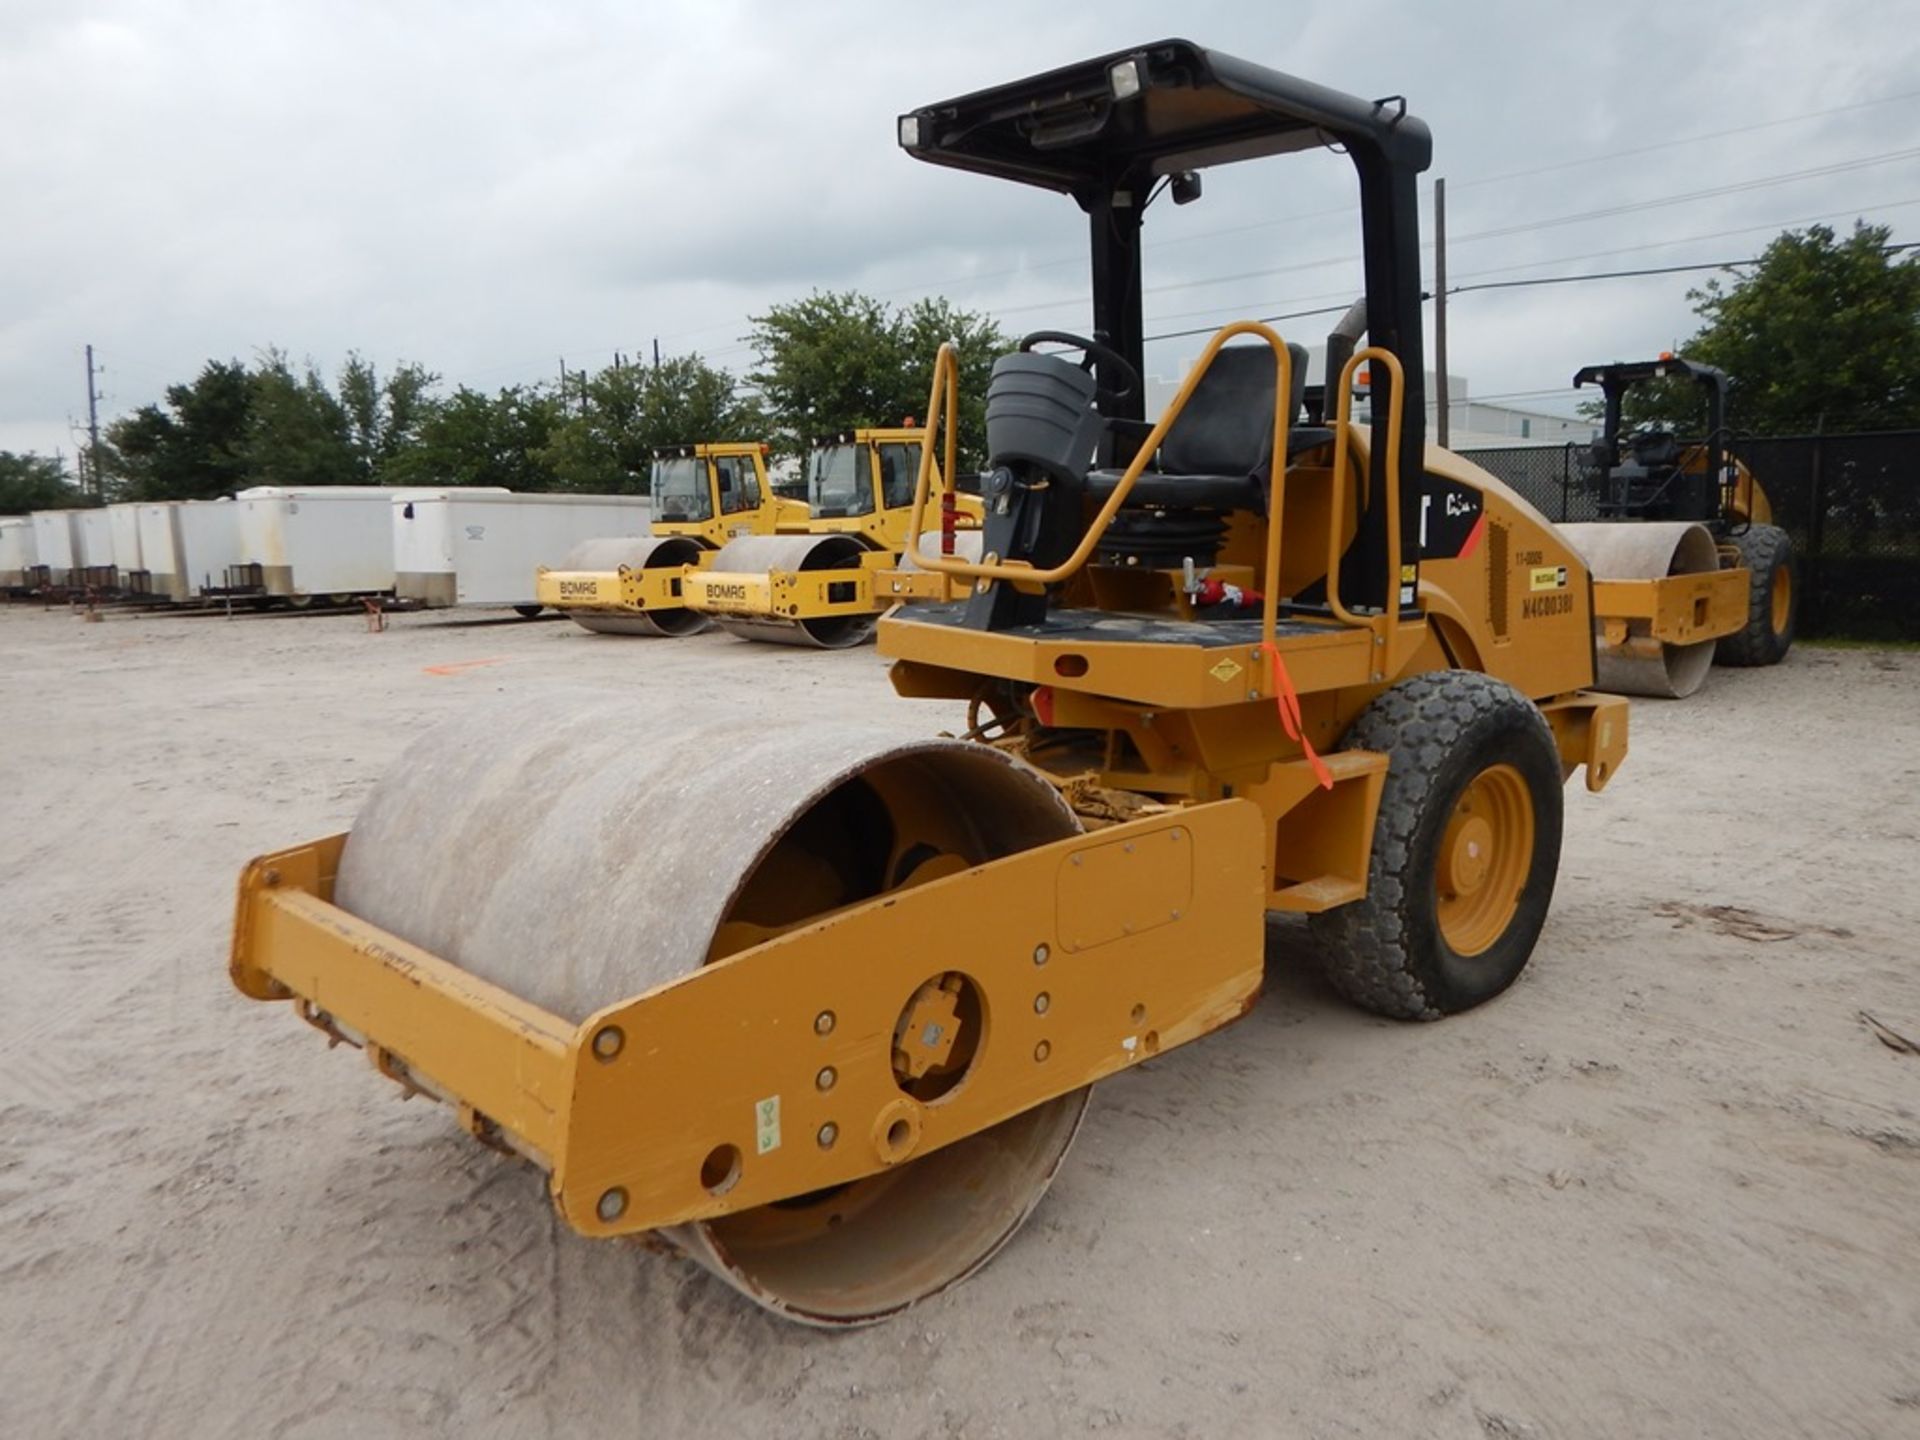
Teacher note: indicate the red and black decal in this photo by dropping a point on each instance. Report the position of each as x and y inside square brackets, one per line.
[1452, 519]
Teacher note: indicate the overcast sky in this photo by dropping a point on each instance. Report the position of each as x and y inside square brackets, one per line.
[487, 187]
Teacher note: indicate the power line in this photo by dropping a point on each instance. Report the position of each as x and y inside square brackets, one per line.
[1522, 284]
[1065, 302]
[1632, 207]
[1261, 319]
[1631, 274]
[1738, 187]
[1841, 167]
[1689, 140]
[1552, 222]
[1569, 259]
[1457, 185]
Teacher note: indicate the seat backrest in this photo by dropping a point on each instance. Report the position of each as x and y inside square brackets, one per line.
[1655, 447]
[1227, 426]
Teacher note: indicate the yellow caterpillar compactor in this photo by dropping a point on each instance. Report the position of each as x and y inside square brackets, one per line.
[821, 1008]
[1688, 567]
[827, 587]
[703, 497]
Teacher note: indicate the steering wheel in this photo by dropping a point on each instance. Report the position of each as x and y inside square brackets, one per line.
[1108, 357]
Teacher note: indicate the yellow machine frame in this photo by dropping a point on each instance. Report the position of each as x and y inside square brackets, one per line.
[1645, 613]
[1194, 720]
[876, 583]
[1078, 931]
[1203, 816]
[656, 589]
[1692, 608]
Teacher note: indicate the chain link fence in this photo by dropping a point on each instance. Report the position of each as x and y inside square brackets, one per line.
[1851, 503]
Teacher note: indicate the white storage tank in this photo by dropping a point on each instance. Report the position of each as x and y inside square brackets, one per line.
[332, 540]
[18, 554]
[56, 542]
[188, 546]
[465, 547]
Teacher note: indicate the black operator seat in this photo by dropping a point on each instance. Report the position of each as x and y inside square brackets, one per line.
[1655, 448]
[1224, 435]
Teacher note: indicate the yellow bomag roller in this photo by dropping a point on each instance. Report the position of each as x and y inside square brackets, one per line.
[1689, 569]
[703, 496]
[826, 588]
[822, 1008]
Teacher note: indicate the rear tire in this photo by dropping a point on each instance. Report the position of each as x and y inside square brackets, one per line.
[528, 612]
[1773, 600]
[1465, 848]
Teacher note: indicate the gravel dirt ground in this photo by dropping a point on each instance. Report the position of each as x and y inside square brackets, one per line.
[1669, 1185]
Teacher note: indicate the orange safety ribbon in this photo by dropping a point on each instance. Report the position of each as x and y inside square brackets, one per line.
[1289, 706]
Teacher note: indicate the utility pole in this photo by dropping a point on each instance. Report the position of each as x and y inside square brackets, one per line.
[93, 428]
[656, 352]
[1445, 417]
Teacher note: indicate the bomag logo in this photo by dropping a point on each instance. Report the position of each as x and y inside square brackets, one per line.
[1538, 607]
[577, 589]
[727, 592]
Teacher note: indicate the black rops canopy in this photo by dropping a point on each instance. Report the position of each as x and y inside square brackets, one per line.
[1623, 373]
[1616, 379]
[1066, 130]
[1104, 129]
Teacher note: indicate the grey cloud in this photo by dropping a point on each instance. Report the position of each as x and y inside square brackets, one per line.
[486, 186]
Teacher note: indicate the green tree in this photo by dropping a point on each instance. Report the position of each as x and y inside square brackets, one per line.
[299, 433]
[840, 360]
[1823, 333]
[383, 418]
[35, 482]
[979, 341]
[471, 438]
[627, 411]
[193, 448]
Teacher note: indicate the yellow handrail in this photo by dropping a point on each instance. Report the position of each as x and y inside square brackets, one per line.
[946, 386]
[1336, 500]
[943, 418]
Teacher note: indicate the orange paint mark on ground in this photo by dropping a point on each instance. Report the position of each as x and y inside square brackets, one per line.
[458, 665]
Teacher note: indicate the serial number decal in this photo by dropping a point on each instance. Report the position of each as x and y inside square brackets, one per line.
[1539, 607]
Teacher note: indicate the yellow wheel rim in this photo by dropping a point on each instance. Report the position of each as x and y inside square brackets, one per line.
[1781, 599]
[1486, 854]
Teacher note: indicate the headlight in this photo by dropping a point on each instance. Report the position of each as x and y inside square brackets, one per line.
[910, 132]
[1123, 79]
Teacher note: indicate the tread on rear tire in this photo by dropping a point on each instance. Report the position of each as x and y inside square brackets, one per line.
[1766, 551]
[1442, 732]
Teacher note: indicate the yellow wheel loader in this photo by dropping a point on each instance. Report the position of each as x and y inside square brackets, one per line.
[1688, 567]
[821, 1008]
[703, 496]
[826, 588]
